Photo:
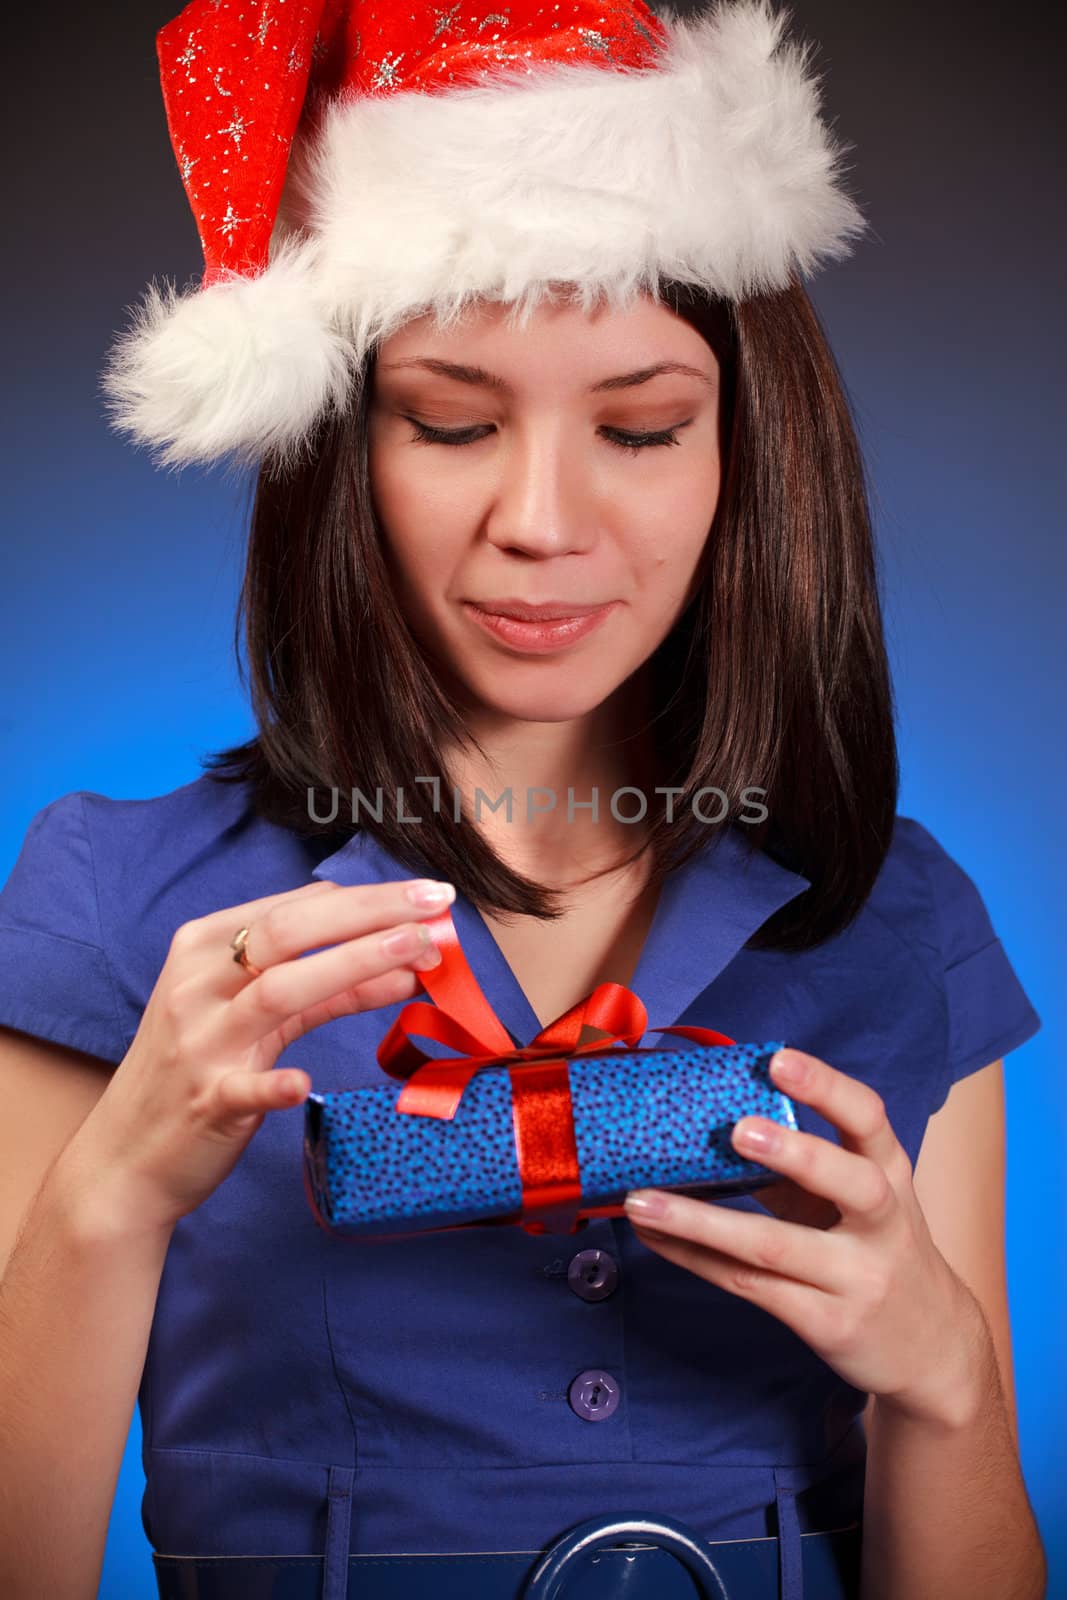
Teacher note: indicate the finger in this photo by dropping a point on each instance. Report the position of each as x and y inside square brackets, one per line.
[215, 931]
[746, 1238]
[389, 989]
[854, 1108]
[287, 989]
[237, 1096]
[793, 1204]
[803, 1307]
[855, 1184]
[297, 922]
[236, 916]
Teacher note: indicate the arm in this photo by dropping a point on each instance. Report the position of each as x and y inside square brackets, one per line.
[77, 1296]
[945, 1506]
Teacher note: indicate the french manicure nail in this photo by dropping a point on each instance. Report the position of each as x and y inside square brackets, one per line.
[426, 893]
[647, 1203]
[788, 1068]
[759, 1136]
[405, 941]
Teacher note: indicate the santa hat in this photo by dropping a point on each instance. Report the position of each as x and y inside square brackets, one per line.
[352, 165]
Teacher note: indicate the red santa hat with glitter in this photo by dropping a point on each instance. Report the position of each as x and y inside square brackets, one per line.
[351, 165]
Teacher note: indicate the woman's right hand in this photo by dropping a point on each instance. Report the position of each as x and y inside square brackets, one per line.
[198, 1078]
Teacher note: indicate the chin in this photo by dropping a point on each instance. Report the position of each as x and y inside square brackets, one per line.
[561, 701]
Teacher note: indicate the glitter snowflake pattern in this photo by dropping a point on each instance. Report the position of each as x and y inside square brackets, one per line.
[236, 129]
[594, 40]
[231, 222]
[273, 60]
[443, 21]
[386, 74]
[190, 53]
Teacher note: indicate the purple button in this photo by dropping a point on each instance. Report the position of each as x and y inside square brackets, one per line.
[594, 1395]
[593, 1274]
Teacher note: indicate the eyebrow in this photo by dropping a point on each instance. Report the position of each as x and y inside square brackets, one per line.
[482, 379]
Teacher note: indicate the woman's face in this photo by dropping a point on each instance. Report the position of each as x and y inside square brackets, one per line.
[539, 499]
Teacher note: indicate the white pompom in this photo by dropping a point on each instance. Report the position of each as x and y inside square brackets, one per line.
[243, 367]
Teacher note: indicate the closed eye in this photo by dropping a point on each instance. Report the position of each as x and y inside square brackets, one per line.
[633, 442]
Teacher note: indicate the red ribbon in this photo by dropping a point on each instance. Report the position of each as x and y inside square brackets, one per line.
[543, 1114]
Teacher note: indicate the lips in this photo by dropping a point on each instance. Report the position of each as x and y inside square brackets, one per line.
[543, 632]
[545, 611]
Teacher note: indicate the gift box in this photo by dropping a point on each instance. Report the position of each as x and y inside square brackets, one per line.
[544, 1136]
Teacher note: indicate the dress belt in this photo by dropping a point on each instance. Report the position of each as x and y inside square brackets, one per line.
[665, 1560]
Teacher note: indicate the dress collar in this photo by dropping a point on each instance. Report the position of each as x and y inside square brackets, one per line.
[706, 911]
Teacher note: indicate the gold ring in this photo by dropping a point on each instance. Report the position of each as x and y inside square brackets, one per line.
[240, 953]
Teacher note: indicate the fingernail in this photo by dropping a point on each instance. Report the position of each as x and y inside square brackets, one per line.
[647, 1203]
[404, 940]
[788, 1068]
[425, 892]
[758, 1136]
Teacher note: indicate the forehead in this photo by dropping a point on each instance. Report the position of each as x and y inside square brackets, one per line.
[557, 341]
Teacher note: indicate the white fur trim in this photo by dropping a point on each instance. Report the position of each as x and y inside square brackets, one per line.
[714, 169]
[239, 368]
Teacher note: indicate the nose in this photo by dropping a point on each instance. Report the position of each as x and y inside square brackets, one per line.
[545, 502]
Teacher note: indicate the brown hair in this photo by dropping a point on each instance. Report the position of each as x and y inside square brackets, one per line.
[775, 676]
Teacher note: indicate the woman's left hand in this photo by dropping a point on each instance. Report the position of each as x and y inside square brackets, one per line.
[847, 1261]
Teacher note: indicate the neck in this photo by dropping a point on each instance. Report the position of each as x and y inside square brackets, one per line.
[553, 771]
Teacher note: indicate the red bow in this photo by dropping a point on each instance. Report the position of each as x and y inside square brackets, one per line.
[540, 1084]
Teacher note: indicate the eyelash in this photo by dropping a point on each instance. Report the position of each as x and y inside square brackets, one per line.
[633, 442]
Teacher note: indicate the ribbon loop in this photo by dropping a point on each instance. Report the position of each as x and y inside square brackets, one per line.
[542, 1112]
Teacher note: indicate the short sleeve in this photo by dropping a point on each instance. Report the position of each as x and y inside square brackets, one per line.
[55, 980]
[989, 1011]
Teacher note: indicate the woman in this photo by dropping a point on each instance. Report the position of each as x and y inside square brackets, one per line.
[754, 1378]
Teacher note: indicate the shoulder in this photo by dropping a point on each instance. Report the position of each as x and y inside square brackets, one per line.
[198, 810]
[192, 828]
[926, 895]
[163, 860]
[100, 886]
[934, 906]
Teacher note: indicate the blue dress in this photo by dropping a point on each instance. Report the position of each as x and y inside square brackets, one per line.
[302, 1392]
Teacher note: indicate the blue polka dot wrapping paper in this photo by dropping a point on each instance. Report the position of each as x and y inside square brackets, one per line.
[642, 1118]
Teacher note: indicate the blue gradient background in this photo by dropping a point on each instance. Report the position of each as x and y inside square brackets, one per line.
[121, 582]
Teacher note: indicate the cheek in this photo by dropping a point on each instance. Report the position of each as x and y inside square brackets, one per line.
[671, 535]
[417, 561]
[693, 515]
[395, 482]
[415, 513]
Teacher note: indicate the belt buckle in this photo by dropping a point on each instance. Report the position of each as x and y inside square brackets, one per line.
[557, 1564]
